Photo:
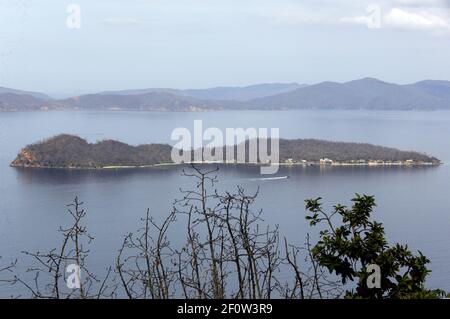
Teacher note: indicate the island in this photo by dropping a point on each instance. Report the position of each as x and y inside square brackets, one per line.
[69, 151]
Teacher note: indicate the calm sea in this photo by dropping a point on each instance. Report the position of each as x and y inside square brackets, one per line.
[413, 203]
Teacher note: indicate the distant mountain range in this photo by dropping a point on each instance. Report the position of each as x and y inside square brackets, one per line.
[222, 93]
[19, 92]
[367, 93]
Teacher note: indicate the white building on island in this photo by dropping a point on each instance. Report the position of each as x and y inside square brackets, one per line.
[326, 161]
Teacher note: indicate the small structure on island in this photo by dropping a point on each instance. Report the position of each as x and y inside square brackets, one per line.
[326, 161]
[289, 161]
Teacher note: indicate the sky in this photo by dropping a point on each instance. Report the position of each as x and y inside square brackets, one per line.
[80, 46]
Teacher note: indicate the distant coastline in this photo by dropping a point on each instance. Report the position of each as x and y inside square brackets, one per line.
[365, 94]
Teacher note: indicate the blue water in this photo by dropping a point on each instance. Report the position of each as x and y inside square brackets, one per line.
[413, 203]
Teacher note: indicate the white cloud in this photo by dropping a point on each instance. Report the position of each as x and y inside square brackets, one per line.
[423, 15]
[432, 16]
[417, 20]
[421, 3]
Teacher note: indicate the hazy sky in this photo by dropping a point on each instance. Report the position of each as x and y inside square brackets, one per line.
[204, 43]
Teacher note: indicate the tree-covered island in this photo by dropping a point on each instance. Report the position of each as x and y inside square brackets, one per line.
[69, 151]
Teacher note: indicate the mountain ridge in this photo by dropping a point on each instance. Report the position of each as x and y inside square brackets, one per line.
[38, 95]
[223, 93]
[365, 93]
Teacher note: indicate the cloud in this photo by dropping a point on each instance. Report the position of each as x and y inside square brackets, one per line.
[413, 16]
[431, 16]
[421, 3]
[417, 20]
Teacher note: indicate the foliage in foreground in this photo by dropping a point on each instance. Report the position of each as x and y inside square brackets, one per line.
[358, 243]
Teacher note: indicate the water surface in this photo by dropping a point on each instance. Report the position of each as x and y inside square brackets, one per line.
[413, 203]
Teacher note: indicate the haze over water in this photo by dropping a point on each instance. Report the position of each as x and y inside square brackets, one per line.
[413, 203]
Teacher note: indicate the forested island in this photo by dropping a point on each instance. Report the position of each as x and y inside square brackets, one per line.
[69, 151]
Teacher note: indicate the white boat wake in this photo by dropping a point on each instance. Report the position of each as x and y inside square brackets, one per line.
[269, 178]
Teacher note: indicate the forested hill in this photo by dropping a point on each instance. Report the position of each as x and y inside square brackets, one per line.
[367, 94]
[68, 151]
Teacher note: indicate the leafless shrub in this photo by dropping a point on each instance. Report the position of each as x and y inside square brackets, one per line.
[228, 252]
[7, 273]
[149, 277]
[49, 274]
